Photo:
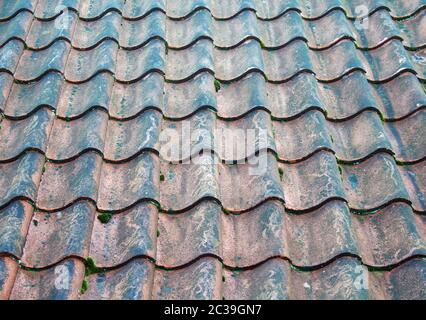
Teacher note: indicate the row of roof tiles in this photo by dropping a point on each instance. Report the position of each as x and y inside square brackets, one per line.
[319, 34]
[381, 64]
[304, 186]
[266, 10]
[352, 140]
[344, 278]
[339, 100]
[41, 240]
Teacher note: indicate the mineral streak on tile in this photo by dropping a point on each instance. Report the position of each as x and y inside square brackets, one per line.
[34, 64]
[92, 9]
[55, 236]
[183, 99]
[128, 100]
[405, 282]
[16, 28]
[44, 33]
[310, 183]
[404, 135]
[137, 63]
[134, 9]
[61, 282]
[88, 34]
[199, 281]
[254, 236]
[133, 281]
[77, 99]
[379, 173]
[20, 178]
[6, 81]
[9, 56]
[414, 177]
[196, 180]
[298, 138]
[83, 65]
[268, 281]
[127, 235]
[17, 136]
[25, 98]
[10, 8]
[71, 138]
[47, 9]
[14, 223]
[184, 237]
[139, 32]
[62, 184]
[183, 64]
[244, 186]
[391, 235]
[125, 139]
[8, 271]
[331, 223]
[124, 184]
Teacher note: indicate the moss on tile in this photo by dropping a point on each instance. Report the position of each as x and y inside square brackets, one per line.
[217, 85]
[104, 217]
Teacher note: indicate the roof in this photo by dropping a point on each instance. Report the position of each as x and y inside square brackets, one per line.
[90, 208]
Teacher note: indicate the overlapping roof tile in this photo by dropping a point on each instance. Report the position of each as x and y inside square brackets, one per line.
[92, 207]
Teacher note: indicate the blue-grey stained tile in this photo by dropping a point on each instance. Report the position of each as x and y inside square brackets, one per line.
[8, 270]
[25, 98]
[34, 64]
[69, 139]
[9, 55]
[131, 282]
[17, 136]
[16, 28]
[55, 236]
[404, 136]
[134, 64]
[418, 59]
[413, 30]
[401, 8]
[348, 96]
[88, 34]
[232, 64]
[378, 173]
[134, 9]
[406, 282]
[390, 236]
[127, 235]
[14, 223]
[92, 9]
[125, 139]
[20, 178]
[183, 9]
[122, 185]
[414, 177]
[139, 32]
[200, 281]
[47, 9]
[61, 282]
[182, 33]
[343, 279]
[357, 138]
[44, 33]
[6, 81]
[268, 281]
[130, 99]
[183, 64]
[62, 184]
[400, 97]
[301, 137]
[77, 99]
[186, 98]
[8, 9]
[83, 65]
[310, 183]
[184, 237]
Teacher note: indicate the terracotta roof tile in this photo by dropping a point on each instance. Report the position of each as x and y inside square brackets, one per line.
[98, 202]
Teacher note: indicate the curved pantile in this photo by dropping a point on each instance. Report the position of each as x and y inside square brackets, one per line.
[16, 28]
[9, 56]
[8, 271]
[9, 9]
